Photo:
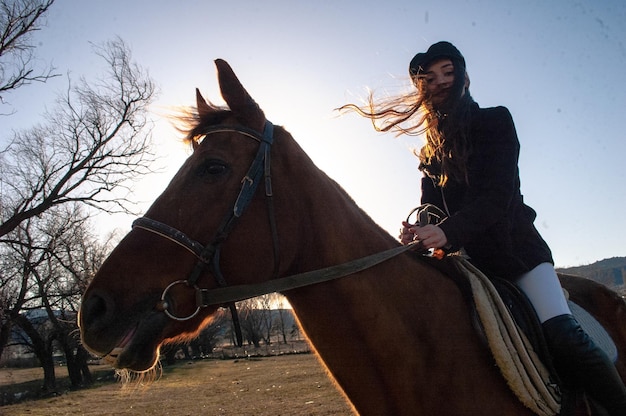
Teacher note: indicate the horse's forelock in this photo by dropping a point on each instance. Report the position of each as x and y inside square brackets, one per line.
[193, 124]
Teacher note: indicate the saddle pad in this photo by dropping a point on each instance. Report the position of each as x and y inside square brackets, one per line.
[595, 330]
[519, 364]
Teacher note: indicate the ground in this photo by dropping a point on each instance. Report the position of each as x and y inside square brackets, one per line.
[280, 385]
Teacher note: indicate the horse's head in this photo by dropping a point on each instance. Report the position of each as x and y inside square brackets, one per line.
[195, 235]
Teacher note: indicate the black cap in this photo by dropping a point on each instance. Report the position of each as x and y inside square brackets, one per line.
[438, 50]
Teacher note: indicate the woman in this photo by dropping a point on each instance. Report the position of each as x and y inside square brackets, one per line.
[470, 171]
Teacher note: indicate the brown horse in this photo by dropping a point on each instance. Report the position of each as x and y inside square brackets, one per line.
[396, 337]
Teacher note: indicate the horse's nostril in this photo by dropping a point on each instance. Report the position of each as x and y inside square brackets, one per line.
[96, 311]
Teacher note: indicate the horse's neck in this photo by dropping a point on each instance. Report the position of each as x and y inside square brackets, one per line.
[336, 230]
[362, 325]
[331, 229]
[356, 321]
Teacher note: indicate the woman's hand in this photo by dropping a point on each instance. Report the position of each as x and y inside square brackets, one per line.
[430, 236]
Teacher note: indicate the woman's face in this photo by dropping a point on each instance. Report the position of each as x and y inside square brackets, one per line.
[438, 79]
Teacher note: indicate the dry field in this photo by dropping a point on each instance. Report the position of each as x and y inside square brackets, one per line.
[280, 385]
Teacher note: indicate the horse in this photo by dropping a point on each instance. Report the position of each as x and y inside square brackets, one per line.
[395, 334]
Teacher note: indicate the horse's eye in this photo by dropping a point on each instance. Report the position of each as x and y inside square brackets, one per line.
[213, 168]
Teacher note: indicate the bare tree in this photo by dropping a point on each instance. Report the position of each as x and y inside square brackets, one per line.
[23, 260]
[251, 321]
[72, 255]
[16, 287]
[96, 140]
[266, 317]
[18, 20]
[54, 256]
[280, 323]
[258, 318]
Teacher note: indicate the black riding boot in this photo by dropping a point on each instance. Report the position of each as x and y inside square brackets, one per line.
[584, 365]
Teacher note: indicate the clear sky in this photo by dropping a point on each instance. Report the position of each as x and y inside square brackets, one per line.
[557, 65]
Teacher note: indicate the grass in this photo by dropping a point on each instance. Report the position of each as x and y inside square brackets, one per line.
[278, 385]
[19, 384]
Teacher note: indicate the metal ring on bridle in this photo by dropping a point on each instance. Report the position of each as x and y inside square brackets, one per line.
[166, 304]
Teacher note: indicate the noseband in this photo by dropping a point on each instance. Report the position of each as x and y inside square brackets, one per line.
[209, 255]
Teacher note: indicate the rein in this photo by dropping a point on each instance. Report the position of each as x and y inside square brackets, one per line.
[208, 255]
[207, 297]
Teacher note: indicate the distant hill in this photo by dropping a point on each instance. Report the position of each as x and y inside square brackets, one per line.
[610, 272]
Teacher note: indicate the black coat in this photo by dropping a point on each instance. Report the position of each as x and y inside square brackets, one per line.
[488, 216]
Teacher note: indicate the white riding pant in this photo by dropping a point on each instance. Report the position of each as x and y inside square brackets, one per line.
[543, 288]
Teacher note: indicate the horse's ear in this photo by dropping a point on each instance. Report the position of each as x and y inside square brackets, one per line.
[237, 98]
[201, 104]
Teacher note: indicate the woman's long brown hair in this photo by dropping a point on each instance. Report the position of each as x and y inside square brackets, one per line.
[445, 128]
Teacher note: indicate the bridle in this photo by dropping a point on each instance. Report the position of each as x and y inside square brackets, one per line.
[209, 255]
